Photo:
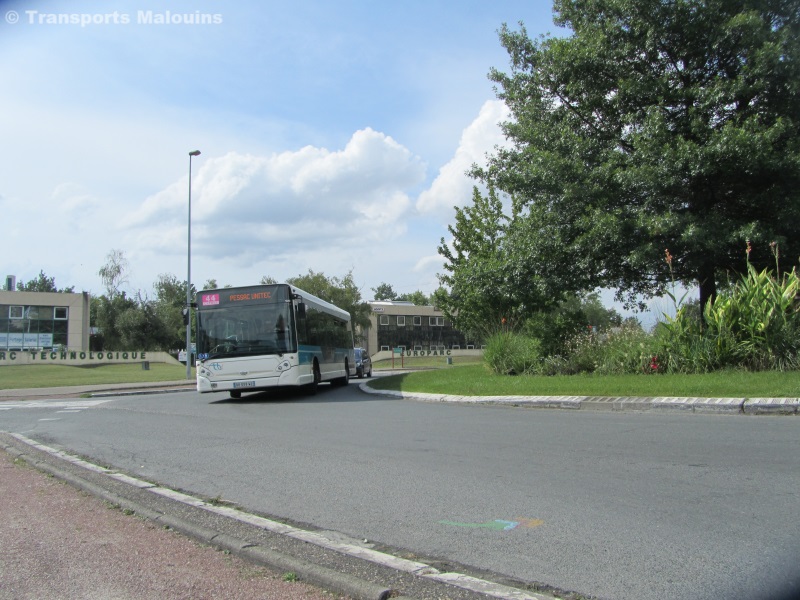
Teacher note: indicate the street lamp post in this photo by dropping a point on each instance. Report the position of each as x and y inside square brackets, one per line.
[189, 275]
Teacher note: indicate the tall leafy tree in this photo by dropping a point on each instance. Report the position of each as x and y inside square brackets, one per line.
[418, 298]
[143, 327]
[107, 317]
[114, 273]
[655, 125]
[170, 301]
[384, 291]
[486, 285]
[43, 283]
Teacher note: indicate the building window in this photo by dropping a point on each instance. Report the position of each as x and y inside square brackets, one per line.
[418, 348]
[401, 321]
[418, 321]
[436, 321]
[456, 347]
[384, 319]
[470, 346]
[33, 327]
[385, 348]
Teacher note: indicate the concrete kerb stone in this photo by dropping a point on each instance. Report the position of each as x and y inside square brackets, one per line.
[771, 406]
[730, 406]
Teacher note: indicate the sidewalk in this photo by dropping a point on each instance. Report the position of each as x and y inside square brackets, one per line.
[59, 542]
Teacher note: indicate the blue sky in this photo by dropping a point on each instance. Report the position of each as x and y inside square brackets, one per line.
[334, 135]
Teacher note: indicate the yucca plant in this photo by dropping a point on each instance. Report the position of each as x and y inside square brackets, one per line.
[756, 326]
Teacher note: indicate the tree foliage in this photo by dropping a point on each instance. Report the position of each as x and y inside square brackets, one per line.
[654, 125]
[170, 300]
[43, 283]
[384, 291]
[487, 285]
[417, 298]
[114, 273]
[107, 316]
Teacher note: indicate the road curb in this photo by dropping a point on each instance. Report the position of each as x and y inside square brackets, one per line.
[727, 406]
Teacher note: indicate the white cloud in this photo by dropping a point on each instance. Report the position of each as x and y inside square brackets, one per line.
[246, 207]
[452, 187]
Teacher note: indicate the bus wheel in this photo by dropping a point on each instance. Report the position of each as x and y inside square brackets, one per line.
[236, 395]
[311, 388]
[346, 379]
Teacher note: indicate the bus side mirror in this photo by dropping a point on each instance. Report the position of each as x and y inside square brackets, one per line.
[301, 310]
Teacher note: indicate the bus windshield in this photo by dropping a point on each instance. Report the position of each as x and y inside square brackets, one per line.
[247, 330]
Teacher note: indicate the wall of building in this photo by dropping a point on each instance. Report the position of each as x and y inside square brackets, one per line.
[81, 358]
[37, 320]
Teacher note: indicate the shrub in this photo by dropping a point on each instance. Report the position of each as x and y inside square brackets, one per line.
[628, 350]
[509, 353]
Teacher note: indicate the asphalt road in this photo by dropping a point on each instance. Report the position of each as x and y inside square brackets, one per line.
[614, 505]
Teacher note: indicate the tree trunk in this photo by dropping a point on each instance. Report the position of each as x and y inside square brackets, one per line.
[708, 288]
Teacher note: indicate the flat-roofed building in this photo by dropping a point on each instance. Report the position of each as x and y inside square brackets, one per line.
[44, 321]
[410, 327]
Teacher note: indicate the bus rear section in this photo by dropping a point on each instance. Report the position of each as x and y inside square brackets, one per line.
[262, 337]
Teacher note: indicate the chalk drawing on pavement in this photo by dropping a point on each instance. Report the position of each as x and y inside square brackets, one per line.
[497, 524]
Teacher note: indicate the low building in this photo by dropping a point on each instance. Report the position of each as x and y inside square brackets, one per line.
[411, 327]
[44, 321]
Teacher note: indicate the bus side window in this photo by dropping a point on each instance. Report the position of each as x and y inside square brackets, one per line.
[301, 324]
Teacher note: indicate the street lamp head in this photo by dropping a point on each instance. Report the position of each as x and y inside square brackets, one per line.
[194, 153]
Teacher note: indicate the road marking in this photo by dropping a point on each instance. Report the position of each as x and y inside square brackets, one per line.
[67, 405]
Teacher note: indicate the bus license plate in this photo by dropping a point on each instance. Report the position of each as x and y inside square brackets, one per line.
[242, 384]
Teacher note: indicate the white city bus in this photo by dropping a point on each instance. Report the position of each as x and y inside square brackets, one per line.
[268, 336]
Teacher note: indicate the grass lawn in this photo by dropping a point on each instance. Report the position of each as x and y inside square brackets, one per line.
[465, 377]
[36, 376]
[477, 380]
